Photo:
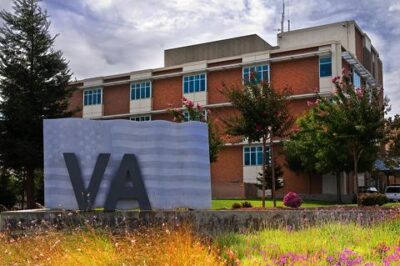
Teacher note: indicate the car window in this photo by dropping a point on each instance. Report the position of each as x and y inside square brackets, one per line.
[393, 190]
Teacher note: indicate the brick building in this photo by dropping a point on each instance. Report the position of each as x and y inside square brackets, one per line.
[304, 61]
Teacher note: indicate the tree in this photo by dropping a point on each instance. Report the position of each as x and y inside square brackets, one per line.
[279, 182]
[33, 86]
[7, 193]
[355, 117]
[198, 113]
[263, 114]
[391, 156]
[348, 126]
[311, 151]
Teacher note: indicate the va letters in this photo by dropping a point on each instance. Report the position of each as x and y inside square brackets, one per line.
[128, 170]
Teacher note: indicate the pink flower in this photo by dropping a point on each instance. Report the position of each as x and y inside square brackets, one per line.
[310, 103]
[360, 93]
[189, 103]
[345, 71]
[335, 79]
[184, 99]
[198, 106]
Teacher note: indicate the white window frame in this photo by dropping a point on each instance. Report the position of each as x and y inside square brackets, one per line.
[194, 74]
[252, 146]
[135, 117]
[140, 82]
[92, 89]
[186, 114]
[253, 66]
[319, 65]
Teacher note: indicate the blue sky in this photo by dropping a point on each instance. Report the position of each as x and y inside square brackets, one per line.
[102, 37]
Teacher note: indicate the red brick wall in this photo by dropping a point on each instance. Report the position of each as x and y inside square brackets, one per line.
[167, 93]
[166, 117]
[300, 76]
[75, 103]
[296, 182]
[227, 173]
[216, 79]
[299, 107]
[218, 116]
[116, 99]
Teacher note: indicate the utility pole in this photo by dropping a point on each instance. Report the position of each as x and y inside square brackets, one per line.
[283, 17]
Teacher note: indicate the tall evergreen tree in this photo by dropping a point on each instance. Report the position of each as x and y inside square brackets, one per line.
[33, 86]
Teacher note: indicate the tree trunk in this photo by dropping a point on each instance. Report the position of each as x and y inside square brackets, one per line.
[338, 188]
[23, 191]
[271, 152]
[30, 188]
[355, 181]
[263, 172]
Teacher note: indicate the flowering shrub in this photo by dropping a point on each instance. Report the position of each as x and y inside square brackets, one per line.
[195, 112]
[292, 200]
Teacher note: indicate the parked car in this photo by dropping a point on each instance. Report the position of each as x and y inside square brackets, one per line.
[393, 193]
[367, 190]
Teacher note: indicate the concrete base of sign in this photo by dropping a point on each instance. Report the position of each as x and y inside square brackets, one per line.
[209, 222]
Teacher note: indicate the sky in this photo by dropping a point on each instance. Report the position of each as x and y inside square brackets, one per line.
[104, 37]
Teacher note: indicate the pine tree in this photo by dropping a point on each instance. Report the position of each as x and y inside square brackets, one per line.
[7, 194]
[279, 181]
[33, 86]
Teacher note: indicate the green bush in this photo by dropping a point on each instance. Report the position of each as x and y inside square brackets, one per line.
[246, 204]
[371, 199]
[236, 205]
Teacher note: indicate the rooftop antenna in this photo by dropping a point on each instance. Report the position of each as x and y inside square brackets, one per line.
[288, 21]
[283, 17]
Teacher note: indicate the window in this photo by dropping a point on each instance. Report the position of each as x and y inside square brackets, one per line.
[140, 118]
[186, 116]
[253, 155]
[140, 90]
[194, 83]
[356, 80]
[325, 66]
[92, 96]
[256, 73]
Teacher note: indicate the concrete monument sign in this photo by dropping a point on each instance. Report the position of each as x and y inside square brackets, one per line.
[124, 164]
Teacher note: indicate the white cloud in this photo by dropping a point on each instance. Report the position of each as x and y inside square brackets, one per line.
[102, 37]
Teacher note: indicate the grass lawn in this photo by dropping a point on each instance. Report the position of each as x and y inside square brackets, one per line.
[227, 203]
[218, 204]
[331, 244]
